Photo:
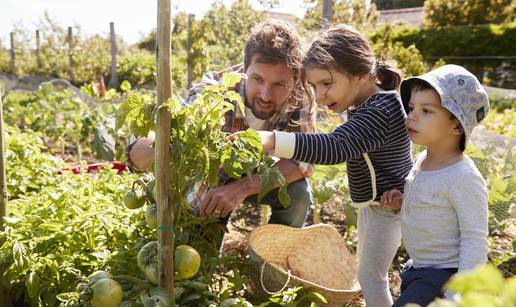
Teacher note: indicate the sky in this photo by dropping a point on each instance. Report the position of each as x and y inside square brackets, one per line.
[133, 18]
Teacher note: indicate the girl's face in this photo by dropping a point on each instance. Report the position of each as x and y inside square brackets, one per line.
[334, 89]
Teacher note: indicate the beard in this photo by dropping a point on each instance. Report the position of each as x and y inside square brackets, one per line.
[259, 112]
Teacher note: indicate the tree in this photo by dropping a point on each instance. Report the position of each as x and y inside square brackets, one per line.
[227, 31]
[358, 13]
[442, 13]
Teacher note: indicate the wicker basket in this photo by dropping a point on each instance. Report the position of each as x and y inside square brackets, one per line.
[314, 257]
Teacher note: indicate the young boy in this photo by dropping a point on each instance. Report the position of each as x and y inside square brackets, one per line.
[444, 211]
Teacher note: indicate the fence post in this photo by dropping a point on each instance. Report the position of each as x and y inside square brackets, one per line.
[113, 82]
[70, 59]
[12, 64]
[190, 63]
[5, 297]
[327, 13]
[162, 151]
[38, 57]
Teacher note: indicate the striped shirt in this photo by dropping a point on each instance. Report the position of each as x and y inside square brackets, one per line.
[377, 127]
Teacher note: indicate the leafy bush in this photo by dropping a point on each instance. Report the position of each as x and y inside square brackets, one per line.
[29, 168]
[60, 235]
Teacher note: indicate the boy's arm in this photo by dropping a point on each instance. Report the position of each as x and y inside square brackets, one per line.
[469, 198]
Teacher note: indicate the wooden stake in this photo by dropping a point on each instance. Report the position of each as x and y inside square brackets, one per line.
[5, 294]
[12, 64]
[3, 185]
[190, 64]
[70, 59]
[113, 82]
[38, 56]
[327, 13]
[162, 150]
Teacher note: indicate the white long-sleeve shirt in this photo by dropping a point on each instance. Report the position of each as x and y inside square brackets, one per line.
[444, 216]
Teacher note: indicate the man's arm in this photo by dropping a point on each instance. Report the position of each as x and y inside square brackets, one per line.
[221, 201]
[141, 154]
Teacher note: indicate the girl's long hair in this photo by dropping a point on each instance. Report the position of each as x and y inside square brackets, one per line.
[346, 50]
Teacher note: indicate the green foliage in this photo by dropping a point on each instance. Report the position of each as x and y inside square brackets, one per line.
[138, 68]
[408, 58]
[356, 13]
[56, 237]
[29, 169]
[481, 287]
[226, 40]
[501, 181]
[434, 43]
[442, 13]
[199, 149]
[61, 116]
[297, 296]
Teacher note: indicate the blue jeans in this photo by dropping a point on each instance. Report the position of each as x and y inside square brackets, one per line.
[295, 214]
[422, 285]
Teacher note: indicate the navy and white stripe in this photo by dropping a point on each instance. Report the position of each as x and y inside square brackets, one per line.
[377, 127]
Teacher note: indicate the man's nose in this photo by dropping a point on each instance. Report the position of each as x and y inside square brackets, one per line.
[266, 93]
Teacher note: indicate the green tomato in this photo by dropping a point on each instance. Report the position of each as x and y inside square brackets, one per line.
[147, 261]
[151, 216]
[106, 293]
[186, 261]
[98, 275]
[134, 199]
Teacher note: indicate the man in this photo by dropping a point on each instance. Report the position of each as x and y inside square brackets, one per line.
[272, 91]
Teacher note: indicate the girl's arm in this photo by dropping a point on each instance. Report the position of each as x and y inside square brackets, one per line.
[362, 133]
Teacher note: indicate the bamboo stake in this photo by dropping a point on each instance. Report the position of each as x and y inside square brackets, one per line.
[3, 185]
[162, 150]
[5, 294]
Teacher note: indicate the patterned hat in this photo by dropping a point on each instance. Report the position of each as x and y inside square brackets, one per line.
[460, 91]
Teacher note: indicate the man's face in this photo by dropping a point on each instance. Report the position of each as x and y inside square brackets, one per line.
[267, 87]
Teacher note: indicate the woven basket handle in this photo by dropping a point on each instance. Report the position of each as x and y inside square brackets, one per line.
[263, 285]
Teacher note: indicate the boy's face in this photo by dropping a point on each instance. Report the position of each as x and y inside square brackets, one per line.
[428, 123]
[333, 89]
[268, 87]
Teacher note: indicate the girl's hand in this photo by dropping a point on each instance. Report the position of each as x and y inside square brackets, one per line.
[267, 137]
[268, 140]
[391, 200]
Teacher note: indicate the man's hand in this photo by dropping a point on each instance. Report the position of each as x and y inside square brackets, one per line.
[142, 153]
[221, 201]
[392, 200]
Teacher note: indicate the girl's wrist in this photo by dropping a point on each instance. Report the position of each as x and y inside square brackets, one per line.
[268, 141]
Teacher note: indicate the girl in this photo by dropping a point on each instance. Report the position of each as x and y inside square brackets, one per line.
[342, 71]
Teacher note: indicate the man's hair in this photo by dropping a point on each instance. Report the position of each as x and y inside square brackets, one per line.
[419, 85]
[275, 42]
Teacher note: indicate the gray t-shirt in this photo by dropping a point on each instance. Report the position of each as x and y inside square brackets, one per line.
[444, 216]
